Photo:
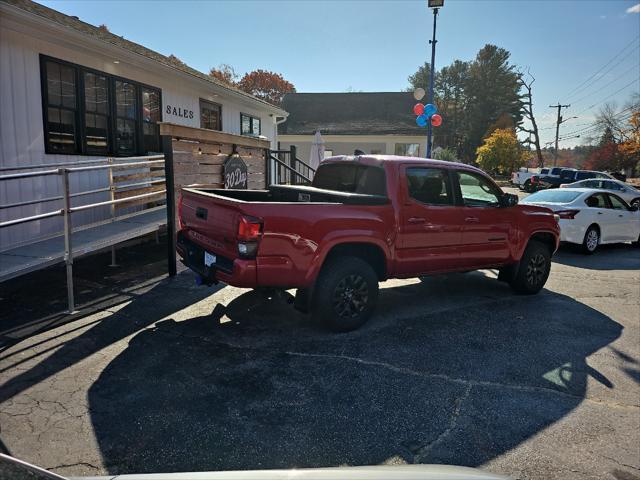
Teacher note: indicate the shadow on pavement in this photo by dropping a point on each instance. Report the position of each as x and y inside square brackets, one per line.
[253, 385]
[620, 256]
[161, 300]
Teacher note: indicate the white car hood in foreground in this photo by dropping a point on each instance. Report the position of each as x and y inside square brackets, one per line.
[11, 468]
[381, 472]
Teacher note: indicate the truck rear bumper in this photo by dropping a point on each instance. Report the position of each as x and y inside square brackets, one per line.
[238, 272]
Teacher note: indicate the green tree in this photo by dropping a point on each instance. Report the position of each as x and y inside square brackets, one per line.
[420, 79]
[493, 91]
[474, 98]
[501, 152]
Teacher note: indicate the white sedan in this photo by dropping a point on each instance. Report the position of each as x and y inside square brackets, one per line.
[590, 217]
[628, 193]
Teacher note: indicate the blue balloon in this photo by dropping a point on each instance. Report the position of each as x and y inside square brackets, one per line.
[430, 109]
[422, 120]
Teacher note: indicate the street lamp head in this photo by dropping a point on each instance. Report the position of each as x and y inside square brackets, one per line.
[435, 3]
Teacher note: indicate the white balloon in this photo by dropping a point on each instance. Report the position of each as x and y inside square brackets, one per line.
[419, 93]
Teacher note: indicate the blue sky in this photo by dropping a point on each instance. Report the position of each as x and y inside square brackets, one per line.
[333, 46]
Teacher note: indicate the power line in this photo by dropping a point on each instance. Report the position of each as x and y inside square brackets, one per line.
[609, 96]
[606, 85]
[603, 67]
[604, 73]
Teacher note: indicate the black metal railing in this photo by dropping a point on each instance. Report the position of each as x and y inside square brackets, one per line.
[288, 169]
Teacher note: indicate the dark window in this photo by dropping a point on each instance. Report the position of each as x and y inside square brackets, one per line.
[477, 191]
[125, 118]
[582, 175]
[93, 113]
[597, 200]
[210, 115]
[61, 113]
[429, 185]
[617, 203]
[249, 125]
[150, 119]
[349, 177]
[96, 113]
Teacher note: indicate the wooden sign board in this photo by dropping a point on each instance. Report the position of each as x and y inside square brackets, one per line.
[235, 173]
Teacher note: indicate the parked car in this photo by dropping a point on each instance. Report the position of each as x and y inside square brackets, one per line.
[567, 175]
[364, 219]
[628, 193]
[522, 178]
[590, 217]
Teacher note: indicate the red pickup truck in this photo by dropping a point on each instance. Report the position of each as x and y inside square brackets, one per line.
[363, 220]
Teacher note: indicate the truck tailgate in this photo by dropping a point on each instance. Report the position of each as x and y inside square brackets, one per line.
[212, 222]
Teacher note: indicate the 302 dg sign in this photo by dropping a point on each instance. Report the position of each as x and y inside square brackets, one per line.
[235, 173]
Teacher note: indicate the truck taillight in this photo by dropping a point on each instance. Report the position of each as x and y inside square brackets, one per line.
[249, 229]
[567, 214]
[180, 200]
[249, 232]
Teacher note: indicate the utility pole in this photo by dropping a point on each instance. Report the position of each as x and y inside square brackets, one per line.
[558, 122]
[434, 4]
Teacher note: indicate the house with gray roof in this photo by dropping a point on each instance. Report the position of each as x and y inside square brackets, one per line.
[375, 123]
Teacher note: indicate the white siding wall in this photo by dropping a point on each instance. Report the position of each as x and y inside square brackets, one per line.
[21, 126]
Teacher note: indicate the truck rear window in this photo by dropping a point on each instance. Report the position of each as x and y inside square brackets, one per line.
[351, 178]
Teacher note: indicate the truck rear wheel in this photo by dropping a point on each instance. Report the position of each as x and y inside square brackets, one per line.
[533, 269]
[345, 294]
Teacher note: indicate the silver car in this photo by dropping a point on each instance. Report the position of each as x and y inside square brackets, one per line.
[628, 193]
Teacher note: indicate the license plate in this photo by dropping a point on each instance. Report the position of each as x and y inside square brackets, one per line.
[209, 259]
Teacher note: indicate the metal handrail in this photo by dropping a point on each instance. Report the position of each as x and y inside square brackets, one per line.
[79, 162]
[292, 170]
[115, 202]
[40, 216]
[68, 209]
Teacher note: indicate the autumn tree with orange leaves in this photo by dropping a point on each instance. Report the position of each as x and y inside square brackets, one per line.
[268, 86]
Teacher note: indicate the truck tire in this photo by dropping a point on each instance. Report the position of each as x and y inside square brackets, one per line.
[533, 269]
[345, 294]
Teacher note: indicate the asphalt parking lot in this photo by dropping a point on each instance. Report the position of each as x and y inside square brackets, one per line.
[454, 369]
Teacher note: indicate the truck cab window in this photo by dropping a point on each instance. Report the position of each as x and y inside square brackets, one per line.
[477, 191]
[429, 185]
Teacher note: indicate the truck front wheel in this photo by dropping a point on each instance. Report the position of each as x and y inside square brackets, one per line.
[533, 269]
[345, 294]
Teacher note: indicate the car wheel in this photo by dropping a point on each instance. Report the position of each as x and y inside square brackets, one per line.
[591, 240]
[533, 269]
[345, 294]
[635, 203]
[528, 187]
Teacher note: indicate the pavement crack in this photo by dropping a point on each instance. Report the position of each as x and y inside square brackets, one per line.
[419, 456]
[78, 464]
[461, 381]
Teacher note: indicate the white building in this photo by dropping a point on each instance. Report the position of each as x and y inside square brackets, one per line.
[375, 123]
[71, 92]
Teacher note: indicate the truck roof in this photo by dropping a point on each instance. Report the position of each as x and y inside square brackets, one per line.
[381, 160]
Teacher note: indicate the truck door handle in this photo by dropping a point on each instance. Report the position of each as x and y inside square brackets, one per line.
[416, 220]
[472, 219]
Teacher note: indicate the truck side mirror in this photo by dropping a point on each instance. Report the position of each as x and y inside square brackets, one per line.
[509, 200]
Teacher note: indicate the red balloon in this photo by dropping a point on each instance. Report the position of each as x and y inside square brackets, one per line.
[436, 120]
[418, 108]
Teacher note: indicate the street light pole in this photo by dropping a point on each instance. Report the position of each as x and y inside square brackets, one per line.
[431, 75]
